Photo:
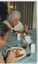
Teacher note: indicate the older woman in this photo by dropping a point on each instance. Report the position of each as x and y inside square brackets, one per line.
[13, 21]
[3, 36]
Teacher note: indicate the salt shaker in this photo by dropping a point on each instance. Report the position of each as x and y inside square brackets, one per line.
[32, 48]
[18, 37]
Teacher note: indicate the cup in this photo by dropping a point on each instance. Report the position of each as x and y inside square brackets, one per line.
[18, 37]
[32, 48]
[24, 44]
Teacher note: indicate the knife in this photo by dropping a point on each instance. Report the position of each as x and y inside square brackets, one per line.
[25, 56]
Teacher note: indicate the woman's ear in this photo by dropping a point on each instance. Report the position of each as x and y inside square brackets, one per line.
[2, 41]
[0, 37]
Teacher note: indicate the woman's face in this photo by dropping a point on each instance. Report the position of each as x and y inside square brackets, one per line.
[14, 21]
[3, 40]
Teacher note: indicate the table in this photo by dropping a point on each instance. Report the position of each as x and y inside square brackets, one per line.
[12, 42]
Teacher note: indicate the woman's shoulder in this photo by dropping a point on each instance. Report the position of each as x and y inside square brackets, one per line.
[19, 22]
[5, 21]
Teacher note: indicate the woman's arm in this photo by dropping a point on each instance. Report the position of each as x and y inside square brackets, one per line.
[1, 58]
[10, 57]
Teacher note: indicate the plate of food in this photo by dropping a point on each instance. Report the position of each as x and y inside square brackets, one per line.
[19, 52]
[22, 33]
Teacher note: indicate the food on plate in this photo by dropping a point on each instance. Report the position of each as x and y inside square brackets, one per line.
[18, 52]
[22, 33]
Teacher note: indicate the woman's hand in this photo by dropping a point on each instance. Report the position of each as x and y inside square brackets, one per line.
[11, 54]
[10, 57]
[25, 27]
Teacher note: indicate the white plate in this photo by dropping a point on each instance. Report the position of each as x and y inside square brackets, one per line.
[16, 48]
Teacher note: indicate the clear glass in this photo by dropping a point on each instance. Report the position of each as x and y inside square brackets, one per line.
[23, 43]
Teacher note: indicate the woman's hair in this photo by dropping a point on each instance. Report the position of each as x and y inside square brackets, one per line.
[3, 29]
[3, 11]
[13, 14]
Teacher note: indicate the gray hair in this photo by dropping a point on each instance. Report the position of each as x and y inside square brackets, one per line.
[13, 14]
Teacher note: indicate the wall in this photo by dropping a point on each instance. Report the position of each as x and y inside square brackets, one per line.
[34, 16]
[26, 9]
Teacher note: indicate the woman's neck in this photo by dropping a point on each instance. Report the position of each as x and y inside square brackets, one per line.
[10, 23]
